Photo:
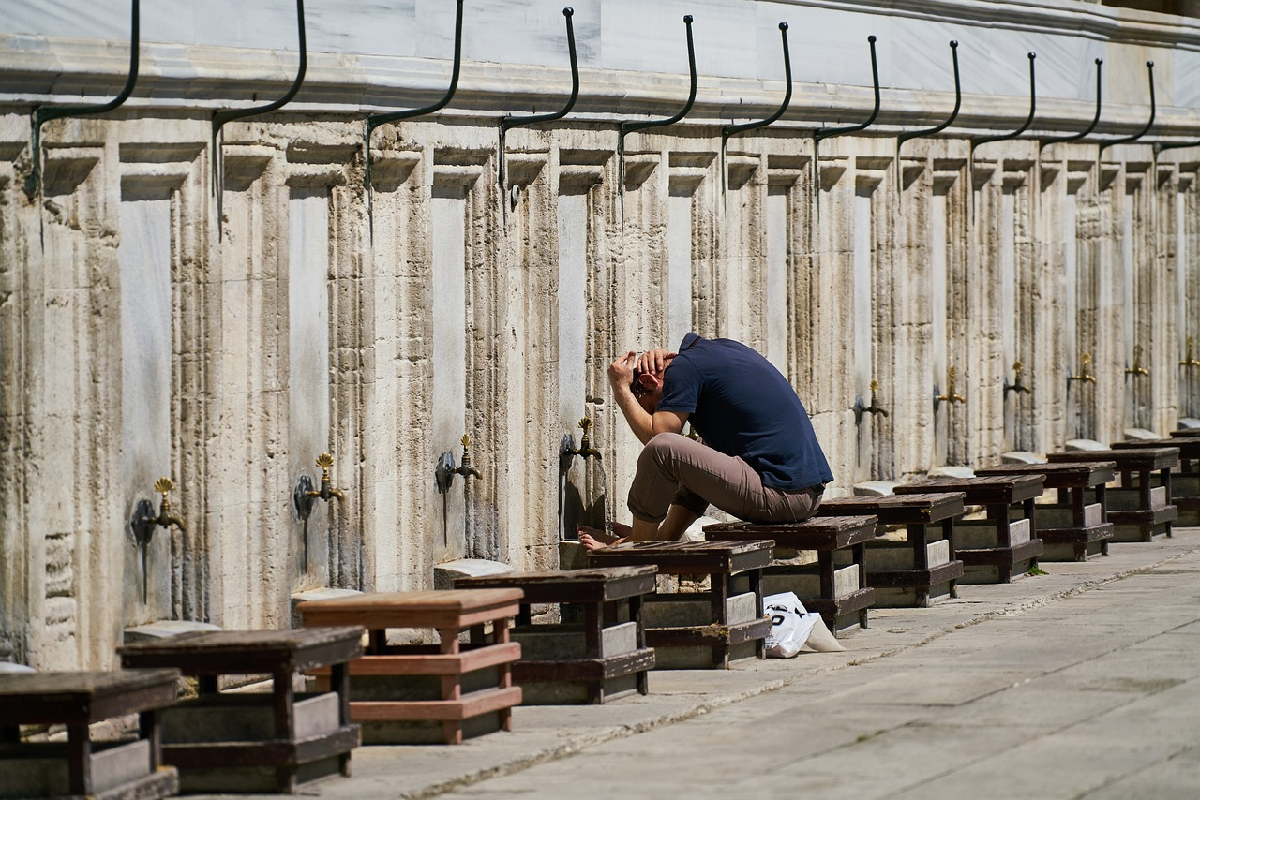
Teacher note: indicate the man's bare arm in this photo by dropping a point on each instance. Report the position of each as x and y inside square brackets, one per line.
[644, 425]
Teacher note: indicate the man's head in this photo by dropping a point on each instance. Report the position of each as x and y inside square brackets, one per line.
[647, 388]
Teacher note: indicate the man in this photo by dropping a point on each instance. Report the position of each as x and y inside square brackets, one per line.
[758, 459]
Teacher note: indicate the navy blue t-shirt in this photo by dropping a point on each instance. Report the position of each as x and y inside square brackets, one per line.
[742, 406]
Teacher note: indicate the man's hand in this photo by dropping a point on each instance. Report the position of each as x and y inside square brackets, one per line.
[655, 361]
[620, 373]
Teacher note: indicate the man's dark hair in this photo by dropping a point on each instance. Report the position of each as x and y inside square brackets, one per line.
[636, 388]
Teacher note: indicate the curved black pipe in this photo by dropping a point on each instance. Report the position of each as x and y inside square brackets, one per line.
[377, 121]
[732, 130]
[1097, 113]
[823, 133]
[1151, 84]
[1031, 60]
[632, 127]
[373, 122]
[520, 121]
[915, 134]
[225, 117]
[1157, 147]
[40, 115]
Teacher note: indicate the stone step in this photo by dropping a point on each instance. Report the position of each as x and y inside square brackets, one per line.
[674, 610]
[982, 534]
[1130, 498]
[244, 717]
[568, 641]
[804, 581]
[891, 554]
[41, 771]
[1058, 516]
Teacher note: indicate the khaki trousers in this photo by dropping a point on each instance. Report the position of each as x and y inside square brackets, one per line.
[676, 469]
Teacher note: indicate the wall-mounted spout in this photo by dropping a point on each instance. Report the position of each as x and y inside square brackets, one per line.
[568, 452]
[1016, 385]
[874, 409]
[1137, 369]
[1189, 362]
[144, 524]
[950, 396]
[446, 470]
[1085, 361]
[304, 496]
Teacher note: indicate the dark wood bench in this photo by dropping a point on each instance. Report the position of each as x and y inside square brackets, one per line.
[1184, 484]
[1193, 432]
[911, 573]
[80, 768]
[1135, 510]
[1075, 527]
[701, 630]
[836, 588]
[249, 741]
[999, 548]
[427, 693]
[604, 657]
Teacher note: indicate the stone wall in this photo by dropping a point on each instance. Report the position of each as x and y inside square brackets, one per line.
[224, 321]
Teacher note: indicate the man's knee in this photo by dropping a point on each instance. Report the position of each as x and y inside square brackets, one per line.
[660, 448]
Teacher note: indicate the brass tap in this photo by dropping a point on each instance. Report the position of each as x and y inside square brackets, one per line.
[1190, 362]
[166, 518]
[1016, 385]
[1085, 361]
[1136, 369]
[950, 396]
[584, 450]
[446, 470]
[465, 468]
[874, 409]
[326, 490]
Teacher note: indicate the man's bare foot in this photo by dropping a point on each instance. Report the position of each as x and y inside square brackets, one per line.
[594, 538]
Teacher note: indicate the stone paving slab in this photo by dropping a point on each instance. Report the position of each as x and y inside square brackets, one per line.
[932, 702]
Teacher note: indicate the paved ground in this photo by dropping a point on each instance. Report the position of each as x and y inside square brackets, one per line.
[1081, 683]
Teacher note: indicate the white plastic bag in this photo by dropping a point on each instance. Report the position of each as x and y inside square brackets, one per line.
[791, 625]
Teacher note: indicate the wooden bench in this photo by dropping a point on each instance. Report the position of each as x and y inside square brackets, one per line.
[920, 570]
[1192, 432]
[602, 658]
[80, 768]
[999, 548]
[701, 630]
[1075, 527]
[1136, 511]
[247, 741]
[428, 693]
[835, 588]
[1184, 484]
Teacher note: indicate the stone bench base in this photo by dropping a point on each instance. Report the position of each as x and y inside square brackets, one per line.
[118, 770]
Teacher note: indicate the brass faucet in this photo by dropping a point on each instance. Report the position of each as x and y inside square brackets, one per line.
[584, 450]
[950, 396]
[326, 490]
[1085, 361]
[144, 524]
[1190, 362]
[1137, 369]
[1017, 381]
[304, 496]
[858, 408]
[445, 469]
